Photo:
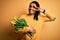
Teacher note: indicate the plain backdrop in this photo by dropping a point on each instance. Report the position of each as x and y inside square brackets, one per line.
[15, 8]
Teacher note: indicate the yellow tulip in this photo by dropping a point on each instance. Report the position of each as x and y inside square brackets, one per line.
[15, 18]
[12, 22]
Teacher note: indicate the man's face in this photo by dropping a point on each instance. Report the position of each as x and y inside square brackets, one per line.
[33, 8]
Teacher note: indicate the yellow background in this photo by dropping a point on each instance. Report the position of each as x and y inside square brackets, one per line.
[12, 8]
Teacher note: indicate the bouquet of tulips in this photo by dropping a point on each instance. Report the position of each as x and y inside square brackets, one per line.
[20, 24]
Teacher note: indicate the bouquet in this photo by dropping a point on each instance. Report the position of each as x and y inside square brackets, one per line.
[20, 24]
